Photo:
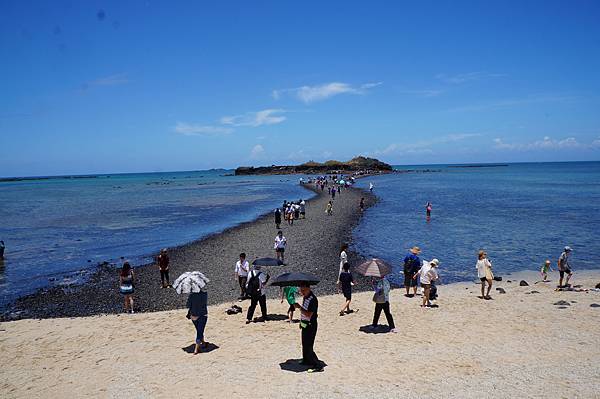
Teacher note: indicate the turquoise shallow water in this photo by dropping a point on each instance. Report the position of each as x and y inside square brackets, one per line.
[53, 227]
[521, 214]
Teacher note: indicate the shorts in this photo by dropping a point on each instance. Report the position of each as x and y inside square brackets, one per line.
[291, 308]
[347, 295]
[408, 279]
[482, 279]
[425, 286]
[562, 272]
[281, 250]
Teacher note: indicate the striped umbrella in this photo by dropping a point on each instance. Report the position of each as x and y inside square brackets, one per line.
[373, 268]
[190, 282]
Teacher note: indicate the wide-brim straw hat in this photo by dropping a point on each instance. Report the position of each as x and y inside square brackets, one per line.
[415, 250]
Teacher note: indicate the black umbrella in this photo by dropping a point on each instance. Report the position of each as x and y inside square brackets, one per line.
[267, 262]
[295, 279]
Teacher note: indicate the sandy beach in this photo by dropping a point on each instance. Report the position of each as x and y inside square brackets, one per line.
[520, 344]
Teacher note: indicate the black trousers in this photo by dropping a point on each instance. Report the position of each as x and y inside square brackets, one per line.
[262, 299]
[309, 357]
[164, 275]
[388, 315]
[242, 281]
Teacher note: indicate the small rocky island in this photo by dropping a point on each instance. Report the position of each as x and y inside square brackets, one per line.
[358, 164]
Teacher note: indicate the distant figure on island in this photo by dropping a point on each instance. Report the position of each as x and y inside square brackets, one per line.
[126, 285]
[428, 274]
[343, 259]
[371, 187]
[257, 280]
[412, 263]
[163, 267]
[361, 205]
[428, 208]
[484, 272]
[346, 281]
[2, 248]
[198, 313]
[289, 294]
[382, 302]
[279, 246]
[242, 267]
[329, 208]
[277, 218]
[544, 270]
[308, 326]
[564, 267]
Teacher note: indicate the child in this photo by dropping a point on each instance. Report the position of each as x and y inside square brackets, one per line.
[544, 272]
[289, 293]
[346, 283]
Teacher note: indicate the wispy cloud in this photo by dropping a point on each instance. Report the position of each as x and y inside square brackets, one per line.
[309, 94]
[513, 102]
[255, 119]
[467, 77]
[188, 129]
[424, 146]
[547, 143]
[257, 152]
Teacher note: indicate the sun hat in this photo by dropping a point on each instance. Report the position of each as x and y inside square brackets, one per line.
[568, 248]
[434, 262]
[415, 250]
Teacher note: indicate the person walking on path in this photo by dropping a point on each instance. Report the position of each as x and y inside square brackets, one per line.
[126, 285]
[255, 286]
[428, 275]
[545, 269]
[279, 246]
[329, 208]
[564, 267]
[382, 302]
[198, 313]
[289, 294]
[277, 218]
[484, 272]
[346, 281]
[343, 259]
[333, 191]
[303, 209]
[412, 263]
[163, 267]
[242, 267]
[308, 325]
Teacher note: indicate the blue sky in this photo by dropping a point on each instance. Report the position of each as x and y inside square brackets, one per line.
[113, 86]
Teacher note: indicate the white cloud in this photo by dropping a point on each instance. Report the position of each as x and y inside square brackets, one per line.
[188, 129]
[546, 143]
[424, 146]
[255, 119]
[257, 152]
[309, 94]
[466, 77]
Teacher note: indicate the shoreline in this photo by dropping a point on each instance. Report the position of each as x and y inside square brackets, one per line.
[215, 255]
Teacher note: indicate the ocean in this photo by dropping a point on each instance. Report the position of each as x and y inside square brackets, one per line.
[521, 214]
[57, 230]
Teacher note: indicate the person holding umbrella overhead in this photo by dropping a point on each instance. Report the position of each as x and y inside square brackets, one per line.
[194, 284]
[379, 269]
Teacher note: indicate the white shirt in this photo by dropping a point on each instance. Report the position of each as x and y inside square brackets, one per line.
[343, 259]
[481, 266]
[241, 269]
[428, 273]
[280, 242]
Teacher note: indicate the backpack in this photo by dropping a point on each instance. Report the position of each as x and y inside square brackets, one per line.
[254, 284]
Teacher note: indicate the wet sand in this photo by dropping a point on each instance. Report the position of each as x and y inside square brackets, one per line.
[313, 246]
[520, 344]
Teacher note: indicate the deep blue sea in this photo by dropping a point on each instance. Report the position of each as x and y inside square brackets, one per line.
[522, 214]
[55, 228]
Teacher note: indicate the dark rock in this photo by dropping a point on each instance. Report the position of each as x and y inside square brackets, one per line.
[594, 305]
[509, 281]
[523, 283]
[562, 303]
[497, 278]
[562, 307]
[501, 290]
[534, 292]
[598, 286]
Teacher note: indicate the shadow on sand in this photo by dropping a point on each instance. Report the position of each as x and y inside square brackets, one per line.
[295, 365]
[209, 348]
[379, 329]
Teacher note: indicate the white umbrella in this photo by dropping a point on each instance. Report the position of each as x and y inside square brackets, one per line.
[190, 282]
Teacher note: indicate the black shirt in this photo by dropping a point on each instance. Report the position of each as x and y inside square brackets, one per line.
[346, 279]
[310, 304]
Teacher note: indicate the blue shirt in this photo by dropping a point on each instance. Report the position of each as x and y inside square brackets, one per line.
[412, 263]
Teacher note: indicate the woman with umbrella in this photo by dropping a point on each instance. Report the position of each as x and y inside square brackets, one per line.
[379, 269]
[194, 284]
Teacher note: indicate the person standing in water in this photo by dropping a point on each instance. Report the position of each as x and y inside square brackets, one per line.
[2, 248]
[428, 208]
